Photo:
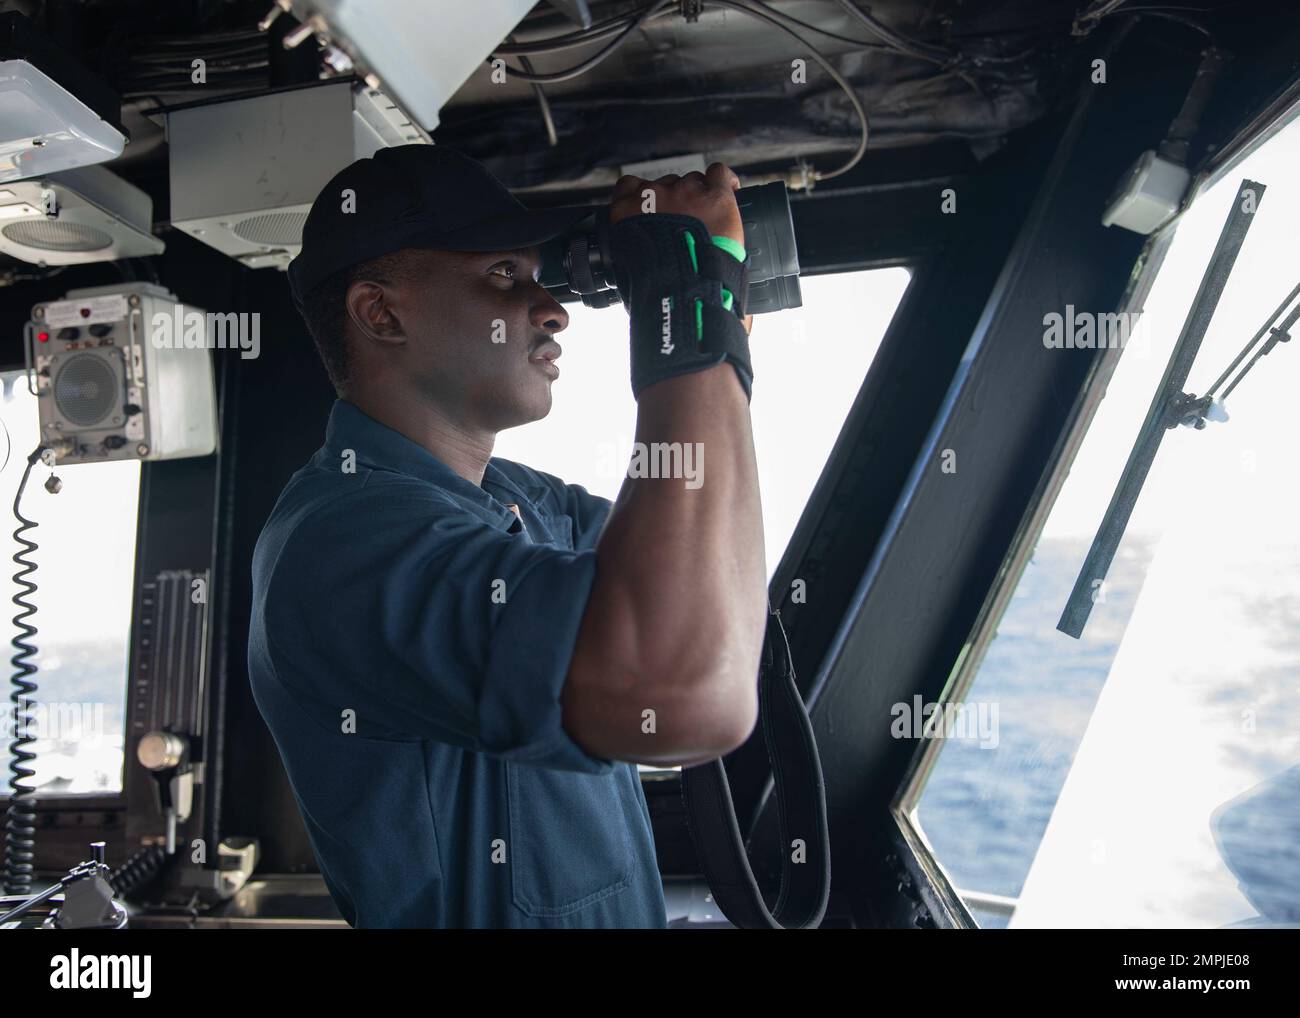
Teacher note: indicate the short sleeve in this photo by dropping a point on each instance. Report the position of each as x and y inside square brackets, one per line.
[588, 512]
[428, 622]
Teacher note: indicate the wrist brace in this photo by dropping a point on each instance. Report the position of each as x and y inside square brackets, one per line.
[686, 297]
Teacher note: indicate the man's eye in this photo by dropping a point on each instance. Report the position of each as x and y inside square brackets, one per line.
[506, 269]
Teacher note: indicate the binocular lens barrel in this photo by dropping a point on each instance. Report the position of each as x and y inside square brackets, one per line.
[588, 264]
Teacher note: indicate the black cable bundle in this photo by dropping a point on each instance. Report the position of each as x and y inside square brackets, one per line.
[157, 64]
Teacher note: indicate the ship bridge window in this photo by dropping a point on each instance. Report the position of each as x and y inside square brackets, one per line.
[1147, 774]
[809, 363]
[85, 569]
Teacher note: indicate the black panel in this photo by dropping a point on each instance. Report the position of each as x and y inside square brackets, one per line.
[285, 398]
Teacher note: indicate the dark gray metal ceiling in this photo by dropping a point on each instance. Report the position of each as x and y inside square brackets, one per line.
[723, 85]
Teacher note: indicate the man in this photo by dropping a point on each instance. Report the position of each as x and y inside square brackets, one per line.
[462, 659]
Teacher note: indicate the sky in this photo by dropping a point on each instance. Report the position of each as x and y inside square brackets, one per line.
[1211, 464]
[85, 534]
[809, 363]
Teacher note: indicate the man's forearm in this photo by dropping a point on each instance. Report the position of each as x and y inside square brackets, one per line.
[695, 555]
[665, 665]
[678, 606]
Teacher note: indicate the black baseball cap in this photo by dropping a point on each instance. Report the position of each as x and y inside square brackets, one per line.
[421, 196]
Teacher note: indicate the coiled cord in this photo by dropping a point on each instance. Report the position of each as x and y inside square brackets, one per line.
[20, 818]
[138, 871]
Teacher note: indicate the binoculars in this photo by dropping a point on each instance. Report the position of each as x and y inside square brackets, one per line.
[580, 260]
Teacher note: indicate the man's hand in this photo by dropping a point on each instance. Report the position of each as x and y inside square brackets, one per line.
[709, 197]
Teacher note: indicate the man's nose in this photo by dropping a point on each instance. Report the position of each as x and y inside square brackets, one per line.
[547, 312]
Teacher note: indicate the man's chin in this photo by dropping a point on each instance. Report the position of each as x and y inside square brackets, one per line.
[529, 412]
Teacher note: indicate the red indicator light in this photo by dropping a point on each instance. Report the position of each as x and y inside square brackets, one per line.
[44, 337]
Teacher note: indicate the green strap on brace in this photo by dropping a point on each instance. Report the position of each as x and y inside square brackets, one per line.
[733, 248]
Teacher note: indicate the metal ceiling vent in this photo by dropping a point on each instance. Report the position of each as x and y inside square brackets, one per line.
[244, 172]
[84, 215]
[278, 229]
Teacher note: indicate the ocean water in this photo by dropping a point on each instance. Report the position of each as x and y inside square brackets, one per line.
[1191, 779]
[985, 811]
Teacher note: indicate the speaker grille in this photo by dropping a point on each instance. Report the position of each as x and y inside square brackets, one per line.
[85, 390]
[274, 229]
[46, 235]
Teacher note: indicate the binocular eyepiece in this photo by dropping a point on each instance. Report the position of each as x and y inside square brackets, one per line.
[584, 258]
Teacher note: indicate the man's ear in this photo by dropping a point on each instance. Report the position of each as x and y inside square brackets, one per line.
[369, 305]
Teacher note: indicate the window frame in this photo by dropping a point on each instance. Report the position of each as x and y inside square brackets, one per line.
[941, 544]
[923, 862]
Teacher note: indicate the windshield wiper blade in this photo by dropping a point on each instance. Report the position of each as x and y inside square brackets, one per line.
[1169, 406]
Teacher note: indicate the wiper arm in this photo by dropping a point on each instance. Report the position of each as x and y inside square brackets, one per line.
[1169, 406]
[1280, 334]
[1193, 411]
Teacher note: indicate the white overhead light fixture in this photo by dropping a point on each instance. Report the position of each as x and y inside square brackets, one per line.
[54, 114]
